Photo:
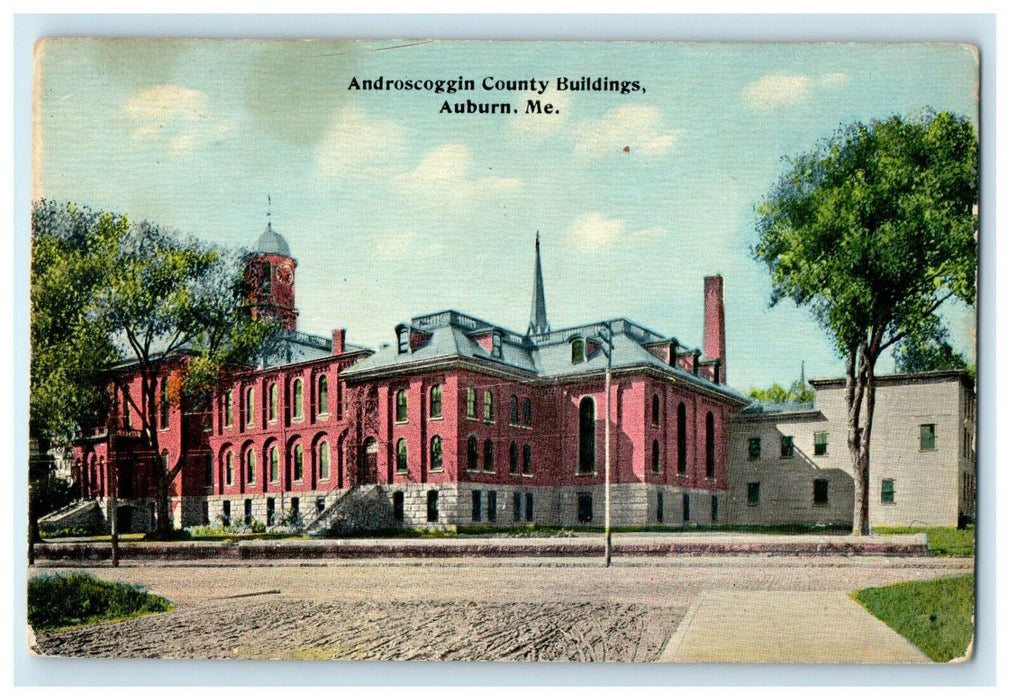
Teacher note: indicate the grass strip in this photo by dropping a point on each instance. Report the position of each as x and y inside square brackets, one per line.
[67, 600]
[936, 616]
[943, 541]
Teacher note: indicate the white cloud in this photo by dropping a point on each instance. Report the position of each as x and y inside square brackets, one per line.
[178, 118]
[777, 90]
[358, 144]
[444, 173]
[633, 127]
[535, 125]
[594, 231]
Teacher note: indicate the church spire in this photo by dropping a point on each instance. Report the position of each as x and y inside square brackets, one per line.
[538, 312]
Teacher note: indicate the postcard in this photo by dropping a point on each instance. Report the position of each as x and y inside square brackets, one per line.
[504, 350]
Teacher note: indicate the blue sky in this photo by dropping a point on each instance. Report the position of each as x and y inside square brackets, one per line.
[393, 209]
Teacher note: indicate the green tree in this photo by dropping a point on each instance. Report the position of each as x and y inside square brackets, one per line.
[797, 393]
[873, 232]
[178, 306]
[115, 302]
[930, 354]
[71, 346]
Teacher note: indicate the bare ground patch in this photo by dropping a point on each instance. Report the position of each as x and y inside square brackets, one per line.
[459, 631]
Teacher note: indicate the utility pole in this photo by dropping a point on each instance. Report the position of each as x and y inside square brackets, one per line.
[608, 342]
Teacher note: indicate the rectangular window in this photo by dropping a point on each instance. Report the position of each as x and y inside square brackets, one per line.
[517, 506]
[584, 507]
[755, 448]
[294, 510]
[929, 436]
[204, 512]
[686, 509]
[319, 504]
[492, 506]
[714, 508]
[398, 504]
[226, 512]
[247, 510]
[477, 507]
[752, 493]
[820, 492]
[270, 512]
[660, 507]
[787, 446]
[819, 444]
[471, 402]
[886, 493]
[529, 507]
[432, 506]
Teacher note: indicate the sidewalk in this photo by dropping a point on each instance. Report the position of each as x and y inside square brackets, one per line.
[785, 627]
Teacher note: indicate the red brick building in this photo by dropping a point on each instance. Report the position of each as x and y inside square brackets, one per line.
[456, 422]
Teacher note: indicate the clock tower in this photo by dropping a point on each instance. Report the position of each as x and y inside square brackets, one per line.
[272, 274]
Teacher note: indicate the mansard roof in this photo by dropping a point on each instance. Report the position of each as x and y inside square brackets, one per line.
[546, 357]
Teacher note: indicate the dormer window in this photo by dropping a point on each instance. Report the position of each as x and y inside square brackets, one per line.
[578, 351]
[403, 336]
[496, 344]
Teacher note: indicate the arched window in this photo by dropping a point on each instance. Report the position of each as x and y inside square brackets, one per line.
[273, 464]
[527, 412]
[513, 458]
[488, 406]
[298, 462]
[527, 467]
[324, 461]
[514, 410]
[471, 453]
[164, 404]
[578, 351]
[229, 468]
[127, 411]
[273, 403]
[322, 394]
[298, 399]
[655, 411]
[683, 446]
[587, 436]
[402, 456]
[436, 401]
[402, 414]
[656, 457]
[252, 465]
[488, 455]
[228, 409]
[249, 406]
[709, 446]
[471, 402]
[436, 453]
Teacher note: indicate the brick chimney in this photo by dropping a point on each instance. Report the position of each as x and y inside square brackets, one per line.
[713, 323]
[338, 341]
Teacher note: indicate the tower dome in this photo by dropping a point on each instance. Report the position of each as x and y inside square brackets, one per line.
[272, 242]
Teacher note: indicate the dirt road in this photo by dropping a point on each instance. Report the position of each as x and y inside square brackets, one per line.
[459, 609]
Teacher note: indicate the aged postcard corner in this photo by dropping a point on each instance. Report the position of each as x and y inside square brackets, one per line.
[517, 351]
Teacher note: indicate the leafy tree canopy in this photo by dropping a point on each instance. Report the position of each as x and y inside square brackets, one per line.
[875, 230]
[796, 393]
[71, 343]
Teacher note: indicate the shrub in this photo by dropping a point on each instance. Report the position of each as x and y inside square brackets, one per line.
[63, 600]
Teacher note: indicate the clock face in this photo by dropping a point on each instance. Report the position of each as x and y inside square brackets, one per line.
[284, 273]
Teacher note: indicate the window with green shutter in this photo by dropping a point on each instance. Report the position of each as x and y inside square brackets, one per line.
[819, 444]
[886, 494]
